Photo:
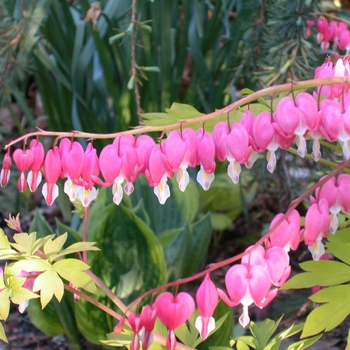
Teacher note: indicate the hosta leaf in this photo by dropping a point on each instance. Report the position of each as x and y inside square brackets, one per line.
[180, 208]
[40, 226]
[132, 261]
[46, 320]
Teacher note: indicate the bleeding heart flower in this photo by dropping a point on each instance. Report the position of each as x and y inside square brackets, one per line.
[173, 311]
[23, 159]
[247, 285]
[34, 176]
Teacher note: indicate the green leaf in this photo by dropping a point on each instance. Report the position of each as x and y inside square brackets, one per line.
[320, 273]
[46, 320]
[4, 304]
[78, 247]
[183, 111]
[40, 226]
[223, 334]
[334, 309]
[35, 264]
[2, 334]
[340, 250]
[201, 232]
[130, 250]
[264, 331]
[4, 242]
[49, 284]
[52, 247]
[24, 242]
[189, 335]
[180, 208]
[304, 344]
[73, 271]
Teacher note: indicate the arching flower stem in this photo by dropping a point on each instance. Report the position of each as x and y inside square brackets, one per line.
[302, 85]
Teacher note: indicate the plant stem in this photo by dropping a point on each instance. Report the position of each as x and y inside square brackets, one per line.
[108, 292]
[228, 261]
[302, 85]
[134, 65]
[86, 218]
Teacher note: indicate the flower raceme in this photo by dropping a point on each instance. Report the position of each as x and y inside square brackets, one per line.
[121, 162]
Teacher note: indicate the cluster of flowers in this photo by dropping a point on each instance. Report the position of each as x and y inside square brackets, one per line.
[255, 280]
[239, 143]
[333, 33]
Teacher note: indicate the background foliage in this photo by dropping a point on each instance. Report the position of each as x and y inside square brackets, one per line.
[69, 65]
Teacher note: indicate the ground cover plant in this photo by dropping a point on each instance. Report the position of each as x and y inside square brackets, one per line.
[117, 274]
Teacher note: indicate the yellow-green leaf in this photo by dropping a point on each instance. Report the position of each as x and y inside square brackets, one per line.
[78, 247]
[2, 334]
[52, 247]
[24, 242]
[4, 242]
[73, 271]
[49, 284]
[29, 266]
[4, 304]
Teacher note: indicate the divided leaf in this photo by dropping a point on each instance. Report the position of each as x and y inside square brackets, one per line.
[334, 309]
[320, 273]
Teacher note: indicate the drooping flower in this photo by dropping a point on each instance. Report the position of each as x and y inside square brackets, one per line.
[5, 170]
[335, 124]
[34, 176]
[158, 172]
[87, 192]
[149, 316]
[23, 159]
[52, 170]
[274, 259]
[118, 163]
[136, 324]
[247, 285]
[287, 235]
[181, 151]
[207, 298]
[206, 158]
[335, 191]
[72, 158]
[233, 145]
[173, 311]
[317, 222]
[294, 117]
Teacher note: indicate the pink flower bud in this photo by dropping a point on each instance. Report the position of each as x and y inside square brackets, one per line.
[52, 170]
[34, 176]
[207, 299]
[5, 170]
